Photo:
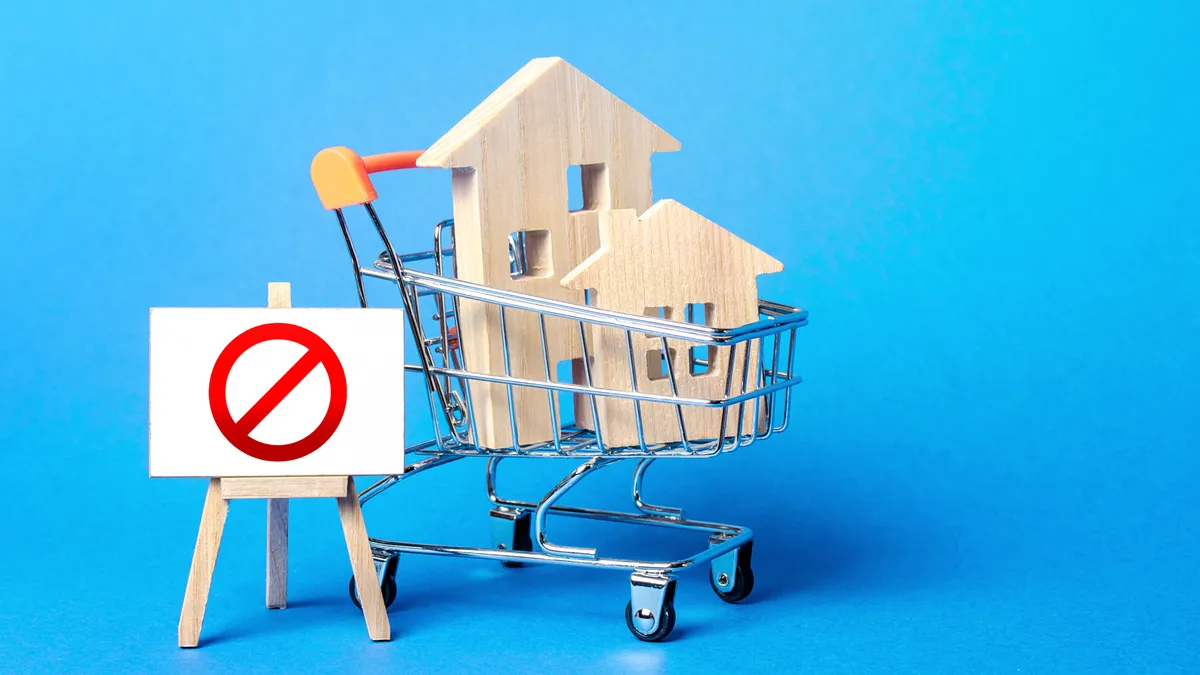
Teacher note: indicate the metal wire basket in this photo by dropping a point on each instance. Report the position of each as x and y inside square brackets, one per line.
[759, 359]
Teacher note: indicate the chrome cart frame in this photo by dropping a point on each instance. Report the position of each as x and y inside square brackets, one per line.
[431, 301]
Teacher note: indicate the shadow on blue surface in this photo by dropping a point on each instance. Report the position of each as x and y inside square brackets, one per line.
[802, 549]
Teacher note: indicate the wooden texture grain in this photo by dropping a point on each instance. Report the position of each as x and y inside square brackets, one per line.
[282, 487]
[204, 560]
[669, 257]
[279, 295]
[277, 553]
[359, 546]
[510, 158]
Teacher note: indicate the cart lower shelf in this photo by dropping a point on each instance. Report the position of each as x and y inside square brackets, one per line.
[519, 538]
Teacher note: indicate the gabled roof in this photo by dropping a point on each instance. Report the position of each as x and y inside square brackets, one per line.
[623, 233]
[457, 147]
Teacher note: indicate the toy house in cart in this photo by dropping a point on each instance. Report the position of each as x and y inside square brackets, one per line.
[513, 229]
[675, 264]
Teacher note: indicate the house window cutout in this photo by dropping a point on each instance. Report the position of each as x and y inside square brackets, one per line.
[595, 186]
[570, 372]
[700, 357]
[656, 364]
[657, 313]
[587, 187]
[574, 188]
[529, 255]
[699, 313]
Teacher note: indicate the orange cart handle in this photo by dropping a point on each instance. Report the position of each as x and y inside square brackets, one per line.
[341, 176]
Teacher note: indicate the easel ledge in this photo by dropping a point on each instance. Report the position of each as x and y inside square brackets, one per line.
[283, 488]
[277, 491]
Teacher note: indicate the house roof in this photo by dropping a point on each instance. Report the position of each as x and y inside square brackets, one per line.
[456, 148]
[625, 234]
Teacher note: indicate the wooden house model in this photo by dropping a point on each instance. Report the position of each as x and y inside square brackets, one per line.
[675, 264]
[513, 229]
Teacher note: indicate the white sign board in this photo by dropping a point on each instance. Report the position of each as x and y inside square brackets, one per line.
[276, 392]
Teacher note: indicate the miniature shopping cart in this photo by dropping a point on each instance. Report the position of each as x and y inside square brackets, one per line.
[433, 299]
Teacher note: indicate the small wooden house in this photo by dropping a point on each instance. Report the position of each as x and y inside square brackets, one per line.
[513, 229]
[675, 264]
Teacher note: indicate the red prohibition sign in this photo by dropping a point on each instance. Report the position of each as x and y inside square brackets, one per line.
[238, 432]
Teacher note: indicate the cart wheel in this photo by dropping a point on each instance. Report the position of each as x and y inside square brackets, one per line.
[388, 587]
[665, 624]
[743, 584]
[734, 564]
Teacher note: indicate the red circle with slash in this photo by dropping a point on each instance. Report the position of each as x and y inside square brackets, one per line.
[238, 432]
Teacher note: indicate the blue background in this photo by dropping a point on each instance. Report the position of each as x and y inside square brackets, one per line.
[990, 210]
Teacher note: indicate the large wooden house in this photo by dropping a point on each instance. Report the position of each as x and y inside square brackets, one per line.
[513, 228]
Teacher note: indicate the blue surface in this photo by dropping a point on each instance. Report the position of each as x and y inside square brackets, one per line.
[989, 208]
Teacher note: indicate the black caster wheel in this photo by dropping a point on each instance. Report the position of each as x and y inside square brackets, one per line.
[743, 578]
[666, 623]
[388, 587]
[522, 541]
[743, 584]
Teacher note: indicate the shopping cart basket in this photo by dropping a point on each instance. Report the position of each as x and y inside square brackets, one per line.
[432, 301]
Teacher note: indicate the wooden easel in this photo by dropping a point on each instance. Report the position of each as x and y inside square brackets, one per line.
[277, 491]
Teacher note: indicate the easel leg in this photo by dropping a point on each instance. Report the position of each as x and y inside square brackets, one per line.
[277, 553]
[359, 546]
[204, 559]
